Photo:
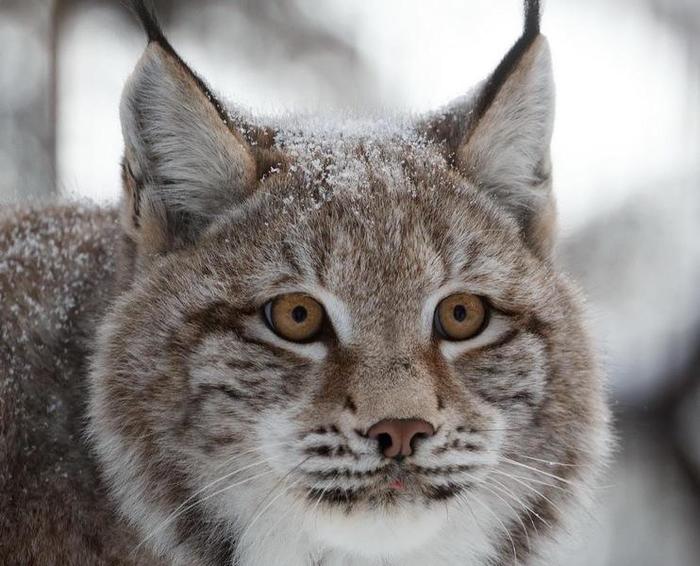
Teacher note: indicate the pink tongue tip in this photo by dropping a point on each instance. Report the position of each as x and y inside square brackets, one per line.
[396, 484]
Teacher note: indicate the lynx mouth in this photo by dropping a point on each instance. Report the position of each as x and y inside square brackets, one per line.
[393, 485]
[384, 498]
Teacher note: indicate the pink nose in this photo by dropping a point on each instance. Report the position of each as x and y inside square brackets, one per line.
[397, 436]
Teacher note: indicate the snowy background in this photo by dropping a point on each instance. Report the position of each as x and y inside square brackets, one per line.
[626, 156]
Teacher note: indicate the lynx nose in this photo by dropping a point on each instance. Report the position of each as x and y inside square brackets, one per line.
[396, 436]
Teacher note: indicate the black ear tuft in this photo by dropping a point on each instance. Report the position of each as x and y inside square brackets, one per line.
[532, 19]
[145, 12]
[531, 30]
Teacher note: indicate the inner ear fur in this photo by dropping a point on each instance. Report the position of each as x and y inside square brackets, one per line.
[506, 150]
[185, 162]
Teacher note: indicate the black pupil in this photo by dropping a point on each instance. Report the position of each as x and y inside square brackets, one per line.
[460, 313]
[299, 314]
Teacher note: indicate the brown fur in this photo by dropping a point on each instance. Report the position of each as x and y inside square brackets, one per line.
[54, 283]
[186, 386]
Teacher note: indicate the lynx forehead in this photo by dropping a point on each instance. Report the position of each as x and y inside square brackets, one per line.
[343, 342]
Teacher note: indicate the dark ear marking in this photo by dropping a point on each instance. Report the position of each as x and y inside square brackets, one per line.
[133, 190]
[455, 124]
[532, 18]
[531, 30]
[146, 15]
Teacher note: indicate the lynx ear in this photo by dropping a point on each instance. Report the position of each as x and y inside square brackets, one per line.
[184, 161]
[500, 138]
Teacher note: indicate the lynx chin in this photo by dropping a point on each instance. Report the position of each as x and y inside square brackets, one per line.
[301, 341]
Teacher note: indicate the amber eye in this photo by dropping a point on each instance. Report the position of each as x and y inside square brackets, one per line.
[460, 316]
[295, 317]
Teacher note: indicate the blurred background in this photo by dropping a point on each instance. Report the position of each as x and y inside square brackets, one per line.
[626, 155]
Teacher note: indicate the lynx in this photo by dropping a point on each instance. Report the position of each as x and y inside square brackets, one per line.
[301, 341]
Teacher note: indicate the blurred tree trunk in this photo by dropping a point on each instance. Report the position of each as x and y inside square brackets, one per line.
[27, 99]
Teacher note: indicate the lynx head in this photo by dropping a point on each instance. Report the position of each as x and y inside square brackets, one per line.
[343, 341]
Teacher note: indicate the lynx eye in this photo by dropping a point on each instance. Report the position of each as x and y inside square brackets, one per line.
[295, 317]
[460, 316]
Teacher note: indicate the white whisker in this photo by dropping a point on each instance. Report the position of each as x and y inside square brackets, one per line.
[522, 503]
[536, 491]
[505, 530]
[550, 462]
[545, 483]
[180, 510]
[531, 468]
[283, 482]
[517, 515]
[285, 490]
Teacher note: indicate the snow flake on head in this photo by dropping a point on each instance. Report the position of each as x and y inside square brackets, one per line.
[349, 157]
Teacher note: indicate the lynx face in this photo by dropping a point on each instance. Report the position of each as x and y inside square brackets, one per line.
[346, 342]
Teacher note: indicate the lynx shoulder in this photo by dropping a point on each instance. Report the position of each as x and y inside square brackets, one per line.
[56, 277]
